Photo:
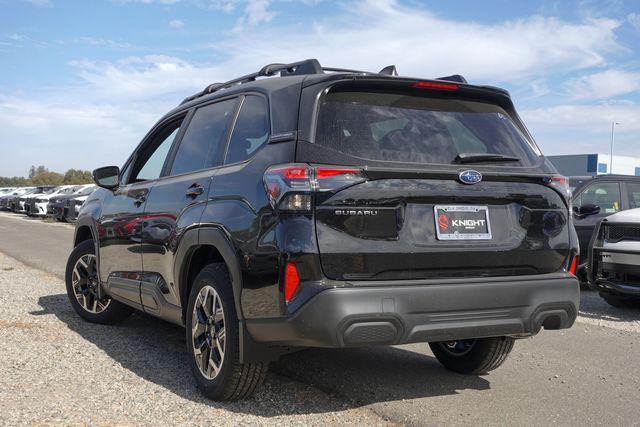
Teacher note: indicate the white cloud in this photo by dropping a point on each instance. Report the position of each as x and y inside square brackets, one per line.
[112, 104]
[603, 85]
[147, 1]
[97, 41]
[39, 2]
[634, 20]
[255, 12]
[176, 23]
[573, 128]
[585, 118]
[16, 37]
[375, 33]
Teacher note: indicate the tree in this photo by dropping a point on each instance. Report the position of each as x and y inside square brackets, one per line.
[42, 176]
[77, 176]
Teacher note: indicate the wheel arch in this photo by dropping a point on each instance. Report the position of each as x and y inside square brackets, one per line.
[199, 247]
[86, 230]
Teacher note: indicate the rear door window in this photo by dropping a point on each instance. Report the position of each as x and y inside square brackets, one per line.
[204, 141]
[251, 130]
[633, 189]
[413, 128]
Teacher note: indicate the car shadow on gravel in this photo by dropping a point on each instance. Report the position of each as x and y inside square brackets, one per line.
[350, 378]
[593, 306]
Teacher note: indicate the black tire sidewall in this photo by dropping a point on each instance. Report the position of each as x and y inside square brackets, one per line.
[215, 275]
[470, 362]
[115, 312]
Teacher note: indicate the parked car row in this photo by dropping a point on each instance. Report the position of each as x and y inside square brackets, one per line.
[606, 216]
[60, 202]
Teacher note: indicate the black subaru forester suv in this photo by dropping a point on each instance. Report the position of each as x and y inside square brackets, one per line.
[303, 206]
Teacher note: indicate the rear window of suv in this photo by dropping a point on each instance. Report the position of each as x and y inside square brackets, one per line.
[408, 128]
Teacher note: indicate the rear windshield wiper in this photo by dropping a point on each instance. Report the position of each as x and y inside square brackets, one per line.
[479, 158]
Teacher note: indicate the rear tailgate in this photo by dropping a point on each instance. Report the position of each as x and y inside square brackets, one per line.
[386, 229]
[417, 214]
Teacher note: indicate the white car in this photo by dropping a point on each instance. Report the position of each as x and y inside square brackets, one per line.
[27, 203]
[39, 203]
[614, 259]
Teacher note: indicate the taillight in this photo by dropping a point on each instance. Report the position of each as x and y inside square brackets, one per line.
[291, 281]
[290, 187]
[435, 86]
[560, 183]
[573, 267]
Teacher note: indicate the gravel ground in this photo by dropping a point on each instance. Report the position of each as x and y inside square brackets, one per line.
[57, 369]
[595, 311]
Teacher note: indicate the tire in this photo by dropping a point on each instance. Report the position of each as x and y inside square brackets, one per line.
[81, 291]
[219, 375]
[477, 356]
[620, 302]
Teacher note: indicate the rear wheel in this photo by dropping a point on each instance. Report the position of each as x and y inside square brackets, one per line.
[83, 288]
[213, 339]
[475, 356]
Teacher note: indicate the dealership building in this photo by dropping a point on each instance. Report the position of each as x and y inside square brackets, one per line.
[595, 164]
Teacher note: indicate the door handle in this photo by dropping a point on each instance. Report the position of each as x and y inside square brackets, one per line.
[195, 190]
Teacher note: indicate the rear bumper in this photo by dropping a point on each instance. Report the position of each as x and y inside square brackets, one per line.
[390, 313]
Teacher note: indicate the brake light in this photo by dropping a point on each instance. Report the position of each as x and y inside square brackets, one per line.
[322, 173]
[291, 281]
[435, 86]
[573, 267]
[290, 187]
[296, 173]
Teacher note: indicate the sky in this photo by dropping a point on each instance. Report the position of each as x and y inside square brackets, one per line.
[81, 82]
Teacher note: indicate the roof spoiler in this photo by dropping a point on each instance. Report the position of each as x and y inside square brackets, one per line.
[308, 66]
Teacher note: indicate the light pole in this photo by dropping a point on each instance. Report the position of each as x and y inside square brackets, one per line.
[613, 138]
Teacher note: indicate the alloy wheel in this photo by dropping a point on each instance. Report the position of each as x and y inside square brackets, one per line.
[84, 279]
[208, 332]
[458, 348]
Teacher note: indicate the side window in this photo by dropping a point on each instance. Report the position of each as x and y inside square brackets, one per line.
[203, 143]
[151, 158]
[633, 188]
[251, 130]
[603, 194]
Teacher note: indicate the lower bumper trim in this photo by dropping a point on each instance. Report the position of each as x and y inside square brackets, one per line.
[395, 314]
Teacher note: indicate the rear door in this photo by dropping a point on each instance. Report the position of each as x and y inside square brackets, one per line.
[120, 225]
[178, 198]
[454, 188]
[633, 193]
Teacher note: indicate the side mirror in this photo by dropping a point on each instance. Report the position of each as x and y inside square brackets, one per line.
[107, 177]
[587, 210]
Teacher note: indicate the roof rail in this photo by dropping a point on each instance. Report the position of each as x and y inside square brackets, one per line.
[308, 66]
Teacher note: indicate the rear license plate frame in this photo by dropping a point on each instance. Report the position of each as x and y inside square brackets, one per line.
[461, 210]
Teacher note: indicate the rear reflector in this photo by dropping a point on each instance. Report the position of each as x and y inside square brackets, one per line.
[573, 268]
[291, 281]
[435, 86]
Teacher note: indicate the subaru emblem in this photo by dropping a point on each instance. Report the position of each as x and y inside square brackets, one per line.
[470, 177]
